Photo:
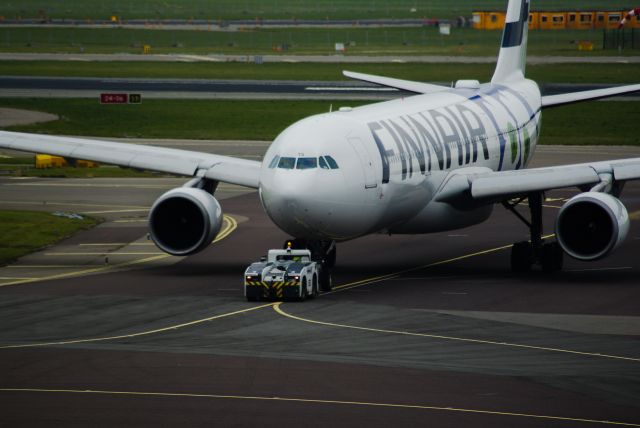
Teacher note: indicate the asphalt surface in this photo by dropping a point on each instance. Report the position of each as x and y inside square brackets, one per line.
[199, 88]
[426, 330]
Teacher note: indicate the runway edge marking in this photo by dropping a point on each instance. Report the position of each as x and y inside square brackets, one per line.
[141, 333]
[319, 401]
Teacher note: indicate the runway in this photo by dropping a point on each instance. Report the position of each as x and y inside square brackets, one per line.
[21, 86]
[427, 330]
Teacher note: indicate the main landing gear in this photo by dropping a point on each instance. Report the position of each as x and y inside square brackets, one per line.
[323, 252]
[525, 254]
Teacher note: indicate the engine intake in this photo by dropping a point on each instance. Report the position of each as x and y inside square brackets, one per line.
[591, 225]
[185, 220]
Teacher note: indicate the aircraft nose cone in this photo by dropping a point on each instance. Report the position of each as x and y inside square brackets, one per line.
[288, 198]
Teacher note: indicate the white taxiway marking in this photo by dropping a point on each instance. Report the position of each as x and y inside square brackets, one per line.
[348, 88]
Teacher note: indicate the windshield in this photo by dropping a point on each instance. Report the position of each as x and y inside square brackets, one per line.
[287, 163]
[307, 163]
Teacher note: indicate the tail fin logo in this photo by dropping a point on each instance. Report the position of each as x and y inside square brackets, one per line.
[513, 31]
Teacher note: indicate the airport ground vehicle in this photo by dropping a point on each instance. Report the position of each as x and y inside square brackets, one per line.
[289, 274]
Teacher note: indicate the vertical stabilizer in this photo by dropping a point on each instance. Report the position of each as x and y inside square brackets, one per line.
[513, 51]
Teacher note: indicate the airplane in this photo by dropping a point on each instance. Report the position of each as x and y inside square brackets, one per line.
[435, 161]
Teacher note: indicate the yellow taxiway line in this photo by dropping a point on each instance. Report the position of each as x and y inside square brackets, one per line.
[230, 225]
[394, 275]
[319, 402]
[141, 333]
[278, 309]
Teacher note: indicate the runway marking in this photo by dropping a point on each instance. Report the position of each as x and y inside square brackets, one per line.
[115, 211]
[141, 333]
[634, 215]
[44, 203]
[230, 225]
[349, 89]
[105, 185]
[14, 277]
[318, 401]
[279, 310]
[131, 221]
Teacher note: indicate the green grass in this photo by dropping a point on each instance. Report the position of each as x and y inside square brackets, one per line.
[589, 123]
[250, 9]
[22, 232]
[592, 123]
[197, 119]
[368, 41]
[426, 72]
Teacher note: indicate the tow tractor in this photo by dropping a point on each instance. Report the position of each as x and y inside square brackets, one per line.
[288, 274]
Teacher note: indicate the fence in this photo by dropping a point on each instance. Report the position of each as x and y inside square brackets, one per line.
[621, 39]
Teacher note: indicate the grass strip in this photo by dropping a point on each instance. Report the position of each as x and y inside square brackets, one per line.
[589, 123]
[23, 232]
[434, 72]
[297, 40]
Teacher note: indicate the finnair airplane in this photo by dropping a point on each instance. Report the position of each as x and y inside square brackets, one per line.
[436, 161]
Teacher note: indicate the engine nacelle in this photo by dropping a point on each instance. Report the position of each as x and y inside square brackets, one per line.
[185, 220]
[591, 225]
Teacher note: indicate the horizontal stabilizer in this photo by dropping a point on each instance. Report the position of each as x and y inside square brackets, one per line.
[405, 85]
[574, 97]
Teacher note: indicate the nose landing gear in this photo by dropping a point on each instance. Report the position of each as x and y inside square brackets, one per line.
[323, 252]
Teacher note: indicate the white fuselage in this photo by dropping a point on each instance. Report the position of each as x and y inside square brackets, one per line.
[392, 159]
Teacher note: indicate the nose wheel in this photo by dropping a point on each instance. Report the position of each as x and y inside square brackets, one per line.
[548, 255]
[323, 252]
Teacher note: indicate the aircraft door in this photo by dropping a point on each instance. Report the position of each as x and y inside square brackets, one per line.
[366, 162]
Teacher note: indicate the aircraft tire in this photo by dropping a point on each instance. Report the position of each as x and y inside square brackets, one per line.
[325, 280]
[521, 257]
[552, 257]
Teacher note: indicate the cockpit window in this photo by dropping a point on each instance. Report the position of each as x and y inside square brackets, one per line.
[274, 162]
[323, 163]
[332, 163]
[307, 163]
[287, 163]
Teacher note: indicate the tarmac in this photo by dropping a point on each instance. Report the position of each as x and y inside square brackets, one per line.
[75, 87]
[428, 330]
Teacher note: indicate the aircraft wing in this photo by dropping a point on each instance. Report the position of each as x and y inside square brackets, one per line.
[574, 97]
[405, 85]
[499, 185]
[181, 162]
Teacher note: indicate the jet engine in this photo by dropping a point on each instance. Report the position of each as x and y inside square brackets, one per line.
[185, 220]
[591, 225]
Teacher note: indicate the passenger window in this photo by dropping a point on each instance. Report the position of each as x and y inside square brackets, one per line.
[274, 162]
[332, 163]
[287, 163]
[323, 163]
[307, 163]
